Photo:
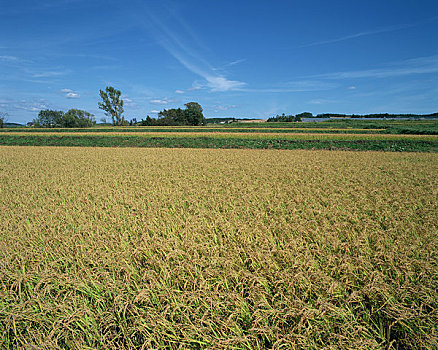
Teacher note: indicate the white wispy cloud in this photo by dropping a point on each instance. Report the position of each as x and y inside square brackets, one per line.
[420, 65]
[163, 101]
[158, 102]
[128, 102]
[189, 56]
[154, 111]
[221, 108]
[69, 93]
[229, 64]
[33, 105]
[370, 32]
[5, 104]
[218, 83]
[72, 95]
[180, 42]
[195, 86]
[9, 59]
[15, 61]
[29, 70]
[49, 74]
[320, 101]
[297, 86]
[233, 63]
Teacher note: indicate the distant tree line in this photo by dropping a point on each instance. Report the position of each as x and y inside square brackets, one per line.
[221, 120]
[74, 118]
[299, 117]
[290, 118]
[376, 115]
[112, 105]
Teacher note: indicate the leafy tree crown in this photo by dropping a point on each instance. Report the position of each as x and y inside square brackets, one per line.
[112, 104]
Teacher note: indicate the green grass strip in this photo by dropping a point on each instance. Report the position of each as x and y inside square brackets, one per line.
[211, 142]
[110, 130]
[269, 136]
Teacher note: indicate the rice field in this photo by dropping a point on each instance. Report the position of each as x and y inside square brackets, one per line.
[155, 248]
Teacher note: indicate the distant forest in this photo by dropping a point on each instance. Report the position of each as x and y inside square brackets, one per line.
[299, 117]
[376, 115]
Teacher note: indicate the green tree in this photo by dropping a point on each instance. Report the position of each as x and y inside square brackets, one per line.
[194, 114]
[172, 116]
[285, 118]
[77, 118]
[305, 115]
[48, 118]
[112, 105]
[74, 118]
[3, 117]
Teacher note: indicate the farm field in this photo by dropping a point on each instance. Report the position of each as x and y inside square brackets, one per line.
[242, 135]
[400, 136]
[390, 143]
[422, 127]
[191, 129]
[130, 248]
[207, 128]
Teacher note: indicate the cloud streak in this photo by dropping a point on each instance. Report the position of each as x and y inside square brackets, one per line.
[68, 93]
[9, 59]
[163, 101]
[188, 56]
[421, 65]
[49, 74]
[233, 63]
[369, 32]
[32, 105]
[297, 86]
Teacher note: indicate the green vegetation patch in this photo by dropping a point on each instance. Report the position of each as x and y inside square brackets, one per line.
[400, 145]
[401, 127]
[160, 129]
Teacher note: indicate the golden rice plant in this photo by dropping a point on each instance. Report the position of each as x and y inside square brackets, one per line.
[106, 248]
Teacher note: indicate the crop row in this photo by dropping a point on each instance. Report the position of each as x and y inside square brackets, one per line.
[240, 135]
[192, 129]
[407, 144]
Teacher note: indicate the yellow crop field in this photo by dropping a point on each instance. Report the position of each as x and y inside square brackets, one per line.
[142, 248]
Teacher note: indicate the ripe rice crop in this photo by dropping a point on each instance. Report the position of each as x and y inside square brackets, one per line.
[133, 248]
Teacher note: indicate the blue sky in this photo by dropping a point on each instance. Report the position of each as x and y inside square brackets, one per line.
[236, 58]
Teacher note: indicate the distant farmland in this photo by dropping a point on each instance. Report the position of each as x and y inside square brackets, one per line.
[394, 135]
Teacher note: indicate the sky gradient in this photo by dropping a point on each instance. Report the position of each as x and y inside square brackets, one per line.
[244, 59]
